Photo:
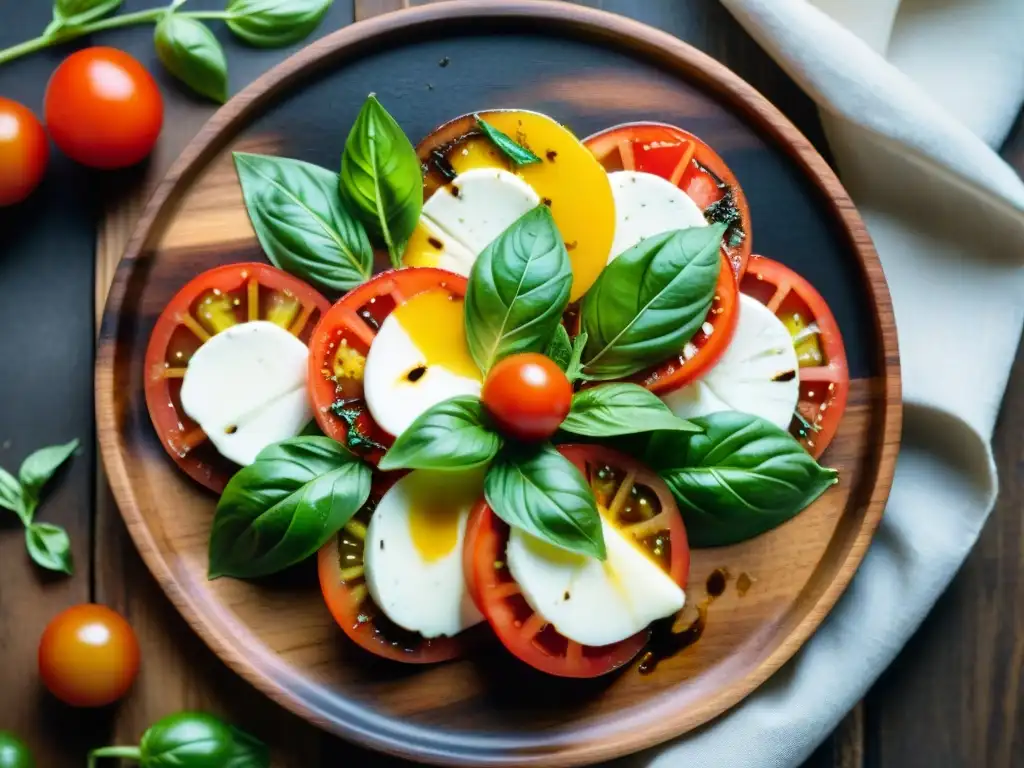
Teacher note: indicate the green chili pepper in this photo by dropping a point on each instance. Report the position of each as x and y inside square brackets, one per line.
[191, 740]
[14, 753]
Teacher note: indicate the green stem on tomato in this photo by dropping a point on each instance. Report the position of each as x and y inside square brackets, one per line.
[132, 753]
[220, 15]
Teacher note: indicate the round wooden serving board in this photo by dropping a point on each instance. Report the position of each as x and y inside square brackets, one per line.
[589, 70]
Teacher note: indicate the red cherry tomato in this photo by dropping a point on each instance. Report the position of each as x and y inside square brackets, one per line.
[88, 656]
[23, 152]
[527, 395]
[644, 511]
[103, 108]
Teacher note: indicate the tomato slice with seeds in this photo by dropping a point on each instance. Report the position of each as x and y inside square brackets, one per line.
[824, 375]
[637, 502]
[210, 303]
[343, 583]
[690, 164]
[338, 348]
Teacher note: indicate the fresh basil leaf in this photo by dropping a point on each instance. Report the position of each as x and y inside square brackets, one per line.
[39, 467]
[559, 348]
[538, 490]
[621, 409]
[381, 180]
[517, 290]
[49, 546]
[513, 150]
[453, 435]
[574, 370]
[275, 23]
[284, 506]
[650, 301]
[296, 211]
[742, 477]
[10, 494]
[247, 751]
[189, 51]
[68, 14]
[186, 739]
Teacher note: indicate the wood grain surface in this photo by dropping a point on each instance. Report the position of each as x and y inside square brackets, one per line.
[924, 712]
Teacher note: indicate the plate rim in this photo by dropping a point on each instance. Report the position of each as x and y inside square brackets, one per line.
[681, 60]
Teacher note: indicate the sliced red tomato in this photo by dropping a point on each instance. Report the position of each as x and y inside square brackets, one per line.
[824, 375]
[208, 304]
[638, 502]
[338, 348]
[340, 564]
[690, 164]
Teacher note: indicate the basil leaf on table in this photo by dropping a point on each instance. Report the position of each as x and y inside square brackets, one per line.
[381, 181]
[741, 477]
[284, 506]
[49, 547]
[650, 301]
[539, 491]
[295, 209]
[621, 409]
[10, 495]
[247, 751]
[189, 51]
[37, 469]
[68, 14]
[559, 348]
[518, 289]
[275, 23]
[452, 435]
[512, 149]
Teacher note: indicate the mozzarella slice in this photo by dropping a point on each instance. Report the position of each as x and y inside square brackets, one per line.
[418, 358]
[647, 205]
[246, 389]
[758, 373]
[413, 557]
[592, 602]
[430, 247]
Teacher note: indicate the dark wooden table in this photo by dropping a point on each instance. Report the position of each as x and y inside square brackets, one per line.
[954, 697]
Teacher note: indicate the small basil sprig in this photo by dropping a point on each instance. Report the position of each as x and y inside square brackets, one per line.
[283, 507]
[453, 435]
[559, 348]
[616, 409]
[69, 14]
[189, 51]
[741, 477]
[275, 23]
[650, 301]
[381, 181]
[296, 211]
[191, 740]
[517, 290]
[513, 150]
[48, 545]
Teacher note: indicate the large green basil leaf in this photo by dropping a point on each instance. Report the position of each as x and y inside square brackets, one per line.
[742, 477]
[49, 546]
[37, 469]
[621, 409]
[650, 301]
[518, 289]
[284, 506]
[453, 435]
[189, 51]
[381, 179]
[193, 739]
[68, 14]
[296, 211]
[538, 490]
[275, 23]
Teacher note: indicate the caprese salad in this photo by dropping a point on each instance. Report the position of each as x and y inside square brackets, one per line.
[573, 371]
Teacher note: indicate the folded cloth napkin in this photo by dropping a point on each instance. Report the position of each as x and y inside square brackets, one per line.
[913, 95]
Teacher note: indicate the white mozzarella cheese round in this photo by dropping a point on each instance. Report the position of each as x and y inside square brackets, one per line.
[589, 601]
[758, 373]
[246, 389]
[647, 205]
[413, 560]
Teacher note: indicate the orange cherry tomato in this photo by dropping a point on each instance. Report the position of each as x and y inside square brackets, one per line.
[88, 656]
[23, 152]
[103, 108]
[527, 395]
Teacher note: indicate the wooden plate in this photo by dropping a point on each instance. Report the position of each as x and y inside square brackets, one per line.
[590, 70]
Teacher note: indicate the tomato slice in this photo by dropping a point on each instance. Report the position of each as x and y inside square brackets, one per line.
[209, 303]
[690, 164]
[340, 565]
[338, 348]
[638, 502]
[824, 375]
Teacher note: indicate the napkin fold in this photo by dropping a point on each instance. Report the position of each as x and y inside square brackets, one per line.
[913, 96]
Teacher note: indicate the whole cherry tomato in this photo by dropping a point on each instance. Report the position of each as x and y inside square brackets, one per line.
[527, 395]
[14, 753]
[88, 656]
[23, 152]
[103, 108]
